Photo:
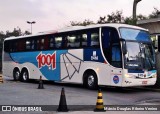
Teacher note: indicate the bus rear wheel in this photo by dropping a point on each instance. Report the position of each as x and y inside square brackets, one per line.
[90, 80]
[24, 76]
[16, 75]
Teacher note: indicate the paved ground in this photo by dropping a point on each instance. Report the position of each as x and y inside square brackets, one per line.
[18, 93]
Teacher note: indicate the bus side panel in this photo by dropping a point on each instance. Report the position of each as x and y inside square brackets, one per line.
[45, 63]
[76, 62]
[71, 64]
[8, 65]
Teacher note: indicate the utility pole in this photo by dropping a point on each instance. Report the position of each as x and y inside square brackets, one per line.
[135, 9]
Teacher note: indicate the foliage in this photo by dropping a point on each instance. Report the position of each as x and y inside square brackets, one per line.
[155, 13]
[84, 23]
[16, 32]
[117, 17]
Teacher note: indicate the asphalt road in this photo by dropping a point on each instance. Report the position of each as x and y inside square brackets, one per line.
[19, 93]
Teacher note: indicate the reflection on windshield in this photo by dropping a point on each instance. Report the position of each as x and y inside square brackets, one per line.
[139, 56]
[134, 34]
[132, 57]
[148, 56]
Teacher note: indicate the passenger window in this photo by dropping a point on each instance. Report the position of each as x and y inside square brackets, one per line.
[21, 45]
[32, 44]
[58, 42]
[7, 46]
[46, 43]
[73, 41]
[51, 43]
[38, 44]
[95, 39]
[84, 40]
[42, 44]
[28, 45]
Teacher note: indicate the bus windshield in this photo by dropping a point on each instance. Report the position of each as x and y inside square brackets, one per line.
[139, 56]
[135, 34]
[140, 53]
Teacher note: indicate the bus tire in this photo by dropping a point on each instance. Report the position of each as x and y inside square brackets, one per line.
[16, 74]
[90, 80]
[24, 75]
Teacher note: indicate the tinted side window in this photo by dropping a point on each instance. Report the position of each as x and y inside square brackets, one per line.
[21, 45]
[95, 39]
[15, 45]
[58, 42]
[51, 42]
[42, 44]
[73, 41]
[32, 44]
[84, 40]
[46, 43]
[28, 44]
[7, 46]
[89, 38]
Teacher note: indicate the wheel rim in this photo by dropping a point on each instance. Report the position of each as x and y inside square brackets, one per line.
[91, 80]
[17, 75]
[25, 75]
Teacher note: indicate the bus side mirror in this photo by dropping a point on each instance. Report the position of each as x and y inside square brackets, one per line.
[124, 46]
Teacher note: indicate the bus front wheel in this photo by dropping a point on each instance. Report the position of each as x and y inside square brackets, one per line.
[24, 75]
[90, 80]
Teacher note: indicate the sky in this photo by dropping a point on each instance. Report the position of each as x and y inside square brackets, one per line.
[56, 14]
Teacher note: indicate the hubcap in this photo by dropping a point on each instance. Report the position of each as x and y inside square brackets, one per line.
[17, 75]
[24, 76]
[91, 80]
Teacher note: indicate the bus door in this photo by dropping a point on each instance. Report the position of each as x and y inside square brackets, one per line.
[112, 52]
[116, 71]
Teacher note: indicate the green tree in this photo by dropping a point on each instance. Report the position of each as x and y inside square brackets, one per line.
[102, 20]
[129, 20]
[16, 32]
[116, 17]
[155, 13]
[84, 23]
[2, 35]
[26, 33]
[141, 17]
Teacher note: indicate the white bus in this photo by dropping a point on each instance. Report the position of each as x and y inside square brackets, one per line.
[105, 54]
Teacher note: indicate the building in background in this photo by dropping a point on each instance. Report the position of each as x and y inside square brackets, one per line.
[153, 25]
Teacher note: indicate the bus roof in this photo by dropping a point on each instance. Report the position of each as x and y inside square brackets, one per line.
[74, 28]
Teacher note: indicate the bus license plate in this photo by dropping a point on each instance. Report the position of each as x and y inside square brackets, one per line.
[144, 82]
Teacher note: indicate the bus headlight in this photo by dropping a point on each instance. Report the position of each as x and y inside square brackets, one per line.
[128, 76]
[154, 76]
